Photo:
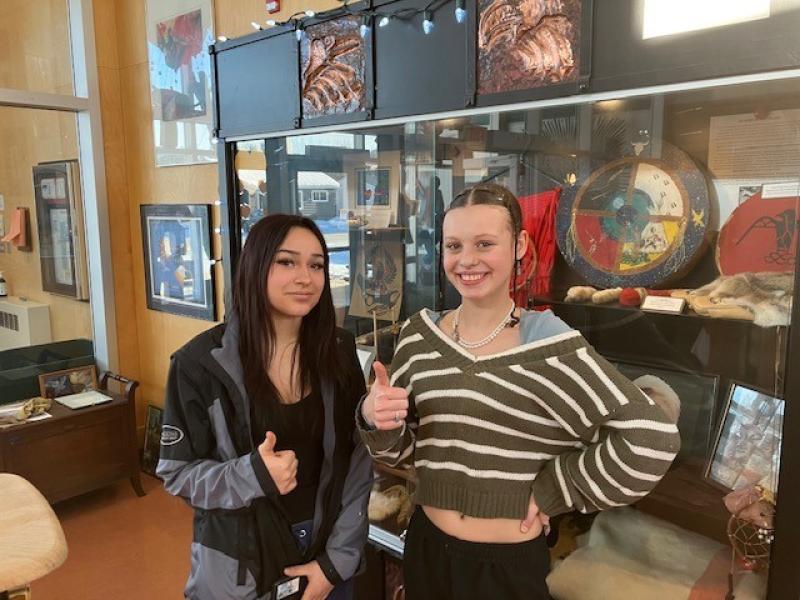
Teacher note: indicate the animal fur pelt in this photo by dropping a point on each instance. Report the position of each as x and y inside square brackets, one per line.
[384, 504]
[768, 296]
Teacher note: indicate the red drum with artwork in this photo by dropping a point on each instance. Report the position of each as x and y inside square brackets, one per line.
[760, 235]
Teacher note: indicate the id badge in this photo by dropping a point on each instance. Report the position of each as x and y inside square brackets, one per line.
[286, 588]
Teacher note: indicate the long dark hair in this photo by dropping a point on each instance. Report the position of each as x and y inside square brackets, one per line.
[488, 194]
[315, 355]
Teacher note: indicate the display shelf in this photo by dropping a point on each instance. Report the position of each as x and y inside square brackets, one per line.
[684, 498]
[386, 540]
[688, 313]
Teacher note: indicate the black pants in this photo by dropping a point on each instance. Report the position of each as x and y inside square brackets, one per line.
[437, 566]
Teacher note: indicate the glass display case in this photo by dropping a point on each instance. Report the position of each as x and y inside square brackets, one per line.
[682, 206]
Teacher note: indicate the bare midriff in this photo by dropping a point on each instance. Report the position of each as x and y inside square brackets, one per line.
[486, 531]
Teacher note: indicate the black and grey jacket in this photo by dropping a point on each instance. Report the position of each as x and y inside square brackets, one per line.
[242, 540]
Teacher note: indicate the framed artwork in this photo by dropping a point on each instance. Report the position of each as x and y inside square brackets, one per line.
[336, 71]
[68, 381]
[178, 35]
[698, 395]
[377, 286]
[177, 259]
[62, 238]
[748, 445]
[525, 46]
[372, 187]
[152, 439]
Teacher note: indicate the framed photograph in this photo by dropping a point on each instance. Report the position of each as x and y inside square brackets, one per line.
[177, 259]
[698, 395]
[178, 35]
[67, 381]
[366, 356]
[152, 439]
[748, 445]
[62, 238]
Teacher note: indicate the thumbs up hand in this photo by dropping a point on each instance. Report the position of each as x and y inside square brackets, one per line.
[385, 407]
[282, 465]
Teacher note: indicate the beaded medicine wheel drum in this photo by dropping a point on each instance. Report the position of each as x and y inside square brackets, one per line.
[636, 221]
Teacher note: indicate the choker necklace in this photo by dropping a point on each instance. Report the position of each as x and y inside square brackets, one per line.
[509, 318]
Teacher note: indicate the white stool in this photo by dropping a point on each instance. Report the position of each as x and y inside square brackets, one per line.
[32, 542]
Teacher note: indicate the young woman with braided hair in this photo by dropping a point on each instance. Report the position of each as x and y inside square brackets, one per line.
[509, 417]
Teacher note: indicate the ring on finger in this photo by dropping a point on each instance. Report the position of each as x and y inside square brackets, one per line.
[397, 416]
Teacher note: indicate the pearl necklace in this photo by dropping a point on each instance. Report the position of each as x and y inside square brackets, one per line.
[482, 342]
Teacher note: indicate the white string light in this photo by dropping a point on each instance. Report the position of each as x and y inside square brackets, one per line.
[222, 38]
[255, 25]
[383, 18]
[364, 28]
[461, 12]
[427, 22]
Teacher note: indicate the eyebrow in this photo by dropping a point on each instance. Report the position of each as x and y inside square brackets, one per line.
[296, 253]
[480, 235]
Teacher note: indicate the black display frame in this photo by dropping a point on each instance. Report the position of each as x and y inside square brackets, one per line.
[675, 61]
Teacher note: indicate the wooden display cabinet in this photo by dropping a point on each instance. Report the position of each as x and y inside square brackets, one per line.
[77, 451]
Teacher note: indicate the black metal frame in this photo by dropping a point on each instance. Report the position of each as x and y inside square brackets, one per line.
[784, 578]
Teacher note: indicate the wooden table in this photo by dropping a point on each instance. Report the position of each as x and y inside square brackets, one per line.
[31, 539]
[75, 451]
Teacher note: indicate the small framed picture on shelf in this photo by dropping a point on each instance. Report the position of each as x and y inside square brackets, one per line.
[748, 444]
[698, 398]
[152, 439]
[68, 381]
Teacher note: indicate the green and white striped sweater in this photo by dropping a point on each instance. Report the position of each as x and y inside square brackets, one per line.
[550, 416]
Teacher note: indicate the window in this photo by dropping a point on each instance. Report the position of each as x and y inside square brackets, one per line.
[319, 195]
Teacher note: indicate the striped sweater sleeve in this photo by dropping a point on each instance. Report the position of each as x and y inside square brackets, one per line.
[395, 447]
[629, 442]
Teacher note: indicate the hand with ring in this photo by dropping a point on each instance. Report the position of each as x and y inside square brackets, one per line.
[385, 407]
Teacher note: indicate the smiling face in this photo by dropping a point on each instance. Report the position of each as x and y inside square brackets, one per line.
[479, 251]
[297, 275]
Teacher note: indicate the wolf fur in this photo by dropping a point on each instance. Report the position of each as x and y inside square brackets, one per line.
[767, 295]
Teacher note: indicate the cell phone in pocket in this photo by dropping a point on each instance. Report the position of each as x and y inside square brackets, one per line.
[289, 588]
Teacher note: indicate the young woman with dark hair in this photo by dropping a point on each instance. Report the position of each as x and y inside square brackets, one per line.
[258, 432]
[509, 418]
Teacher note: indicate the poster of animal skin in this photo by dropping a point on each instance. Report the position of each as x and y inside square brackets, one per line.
[524, 44]
[333, 68]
